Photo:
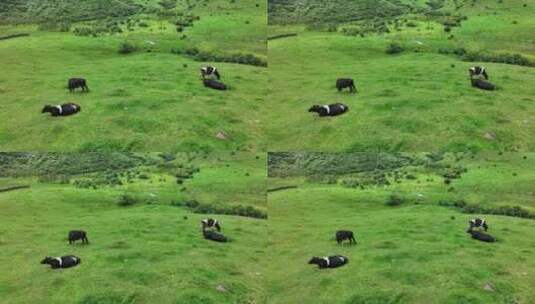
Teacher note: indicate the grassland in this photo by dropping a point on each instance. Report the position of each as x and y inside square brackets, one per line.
[415, 252]
[151, 251]
[148, 100]
[416, 100]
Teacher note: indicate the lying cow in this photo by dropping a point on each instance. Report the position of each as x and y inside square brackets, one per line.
[482, 236]
[478, 72]
[62, 110]
[75, 235]
[483, 84]
[62, 262]
[210, 72]
[329, 110]
[342, 83]
[214, 236]
[477, 223]
[214, 84]
[75, 83]
[330, 261]
[210, 223]
[342, 235]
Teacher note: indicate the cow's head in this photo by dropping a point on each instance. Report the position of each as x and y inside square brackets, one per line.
[46, 108]
[314, 108]
[47, 260]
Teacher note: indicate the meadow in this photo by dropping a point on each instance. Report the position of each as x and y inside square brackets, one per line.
[143, 73]
[146, 249]
[413, 249]
[411, 72]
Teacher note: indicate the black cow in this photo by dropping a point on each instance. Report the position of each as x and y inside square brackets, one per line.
[330, 261]
[477, 223]
[329, 110]
[62, 262]
[210, 223]
[214, 236]
[75, 235]
[482, 236]
[75, 83]
[342, 235]
[210, 72]
[342, 83]
[478, 72]
[483, 84]
[214, 84]
[62, 110]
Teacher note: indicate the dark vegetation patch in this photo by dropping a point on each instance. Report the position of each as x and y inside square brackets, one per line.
[5, 189]
[479, 56]
[240, 210]
[463, 206]
[15, 164]
[282, 36]
[281, 188]
[14, 36]
[199, 55]
[23, 11]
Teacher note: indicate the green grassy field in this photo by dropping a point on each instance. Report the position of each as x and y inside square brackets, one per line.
[149, 100]
[149, 252]
[416, 100]
[416, 252]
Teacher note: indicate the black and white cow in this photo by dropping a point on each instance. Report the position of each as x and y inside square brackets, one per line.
[61, 262]
[210, 223]
[210, 72]
[75, 83]
[330, 261]
[477, 223]
[483, 84]
[342, 235]
[62, 110]
[342, 83]
[482, 236]
[214, 84]
[329, 110]
[214, 236]
[75, 235]
[478, 72]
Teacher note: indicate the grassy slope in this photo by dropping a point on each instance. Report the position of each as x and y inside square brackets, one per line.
[408, 254]
[401, 107]
[143, 101]
[140, 254]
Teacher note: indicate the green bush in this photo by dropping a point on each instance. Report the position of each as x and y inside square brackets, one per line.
[394, 48]
[395, 200]
[127, 200]
[126, 48]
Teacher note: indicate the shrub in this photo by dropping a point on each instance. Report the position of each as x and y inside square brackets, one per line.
[126, 48]
[395, 200]
[394, 48]
[127, 200]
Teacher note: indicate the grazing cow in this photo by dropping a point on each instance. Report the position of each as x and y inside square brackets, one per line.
[330, 261]
[210, 72]
[477, 223]
[483, 84]
[482, 236]
[342, 83]
[342, 235]
[214, 236]
[329, 110]
[478, 72]
[62, 110]
[210, 223]
[61, 262]
[75, 83]
[75, 235]
[214, 84]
